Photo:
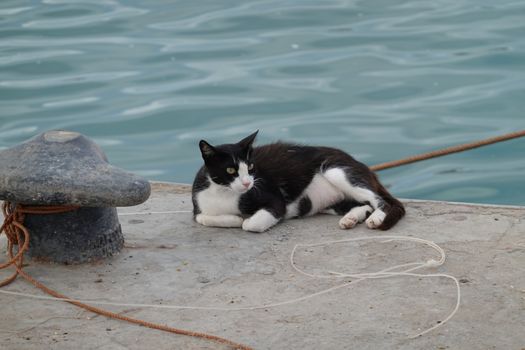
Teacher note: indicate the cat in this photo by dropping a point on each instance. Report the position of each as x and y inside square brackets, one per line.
[254, 188]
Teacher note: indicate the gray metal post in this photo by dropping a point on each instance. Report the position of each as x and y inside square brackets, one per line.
[66, 168]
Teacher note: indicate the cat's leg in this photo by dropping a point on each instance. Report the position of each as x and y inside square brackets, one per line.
[338, 178]
[219, 220]
[342, 207]
[272, 209]
[262, 220]
[330, 211]
[376, 218]
[352, 211]
[354, 216]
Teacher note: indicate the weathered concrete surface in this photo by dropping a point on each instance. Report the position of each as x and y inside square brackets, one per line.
[169, 259]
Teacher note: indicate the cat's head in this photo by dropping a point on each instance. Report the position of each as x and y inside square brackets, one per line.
[230, 165]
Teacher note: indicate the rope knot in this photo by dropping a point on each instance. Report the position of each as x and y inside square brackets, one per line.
[432, 263]
[12, 216]
[18, 235]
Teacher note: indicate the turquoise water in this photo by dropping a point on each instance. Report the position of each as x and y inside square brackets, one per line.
[380, 79]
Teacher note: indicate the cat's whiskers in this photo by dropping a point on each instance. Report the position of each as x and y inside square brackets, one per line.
[255, 183]
[256, 189]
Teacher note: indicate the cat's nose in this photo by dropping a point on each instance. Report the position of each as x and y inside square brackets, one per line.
[246, 183]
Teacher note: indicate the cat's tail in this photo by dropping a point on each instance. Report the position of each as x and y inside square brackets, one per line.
[394, 209]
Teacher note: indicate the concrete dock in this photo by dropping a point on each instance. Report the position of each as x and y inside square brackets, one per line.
[170, 260]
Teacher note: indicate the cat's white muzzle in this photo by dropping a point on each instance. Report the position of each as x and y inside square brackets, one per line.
[242, 185]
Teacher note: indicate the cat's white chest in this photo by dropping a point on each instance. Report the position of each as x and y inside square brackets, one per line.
[216, 200]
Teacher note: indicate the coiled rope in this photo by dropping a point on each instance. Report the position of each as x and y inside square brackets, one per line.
[18, 236]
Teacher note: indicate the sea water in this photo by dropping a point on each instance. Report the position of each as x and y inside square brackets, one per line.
[381, 79]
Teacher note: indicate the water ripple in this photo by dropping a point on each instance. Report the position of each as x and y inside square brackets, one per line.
[116, 14]
[71, 102]
[18, 58]
[13, 11]
[382, 80]
[65, 80]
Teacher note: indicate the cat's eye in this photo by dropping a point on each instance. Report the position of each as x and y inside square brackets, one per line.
[250, 167]
[231, 171]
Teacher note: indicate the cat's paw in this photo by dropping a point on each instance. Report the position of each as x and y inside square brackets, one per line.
[259, 222]
[376, 219]
[252, 226]
[348, 221]
[220, 220]
[354, 216]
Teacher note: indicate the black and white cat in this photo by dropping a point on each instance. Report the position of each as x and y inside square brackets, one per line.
[256, 187]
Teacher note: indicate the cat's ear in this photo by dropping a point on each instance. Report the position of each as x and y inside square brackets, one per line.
[247, 142]
[207, 150]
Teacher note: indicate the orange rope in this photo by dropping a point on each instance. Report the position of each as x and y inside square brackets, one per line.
[448, 150]
[18, 235]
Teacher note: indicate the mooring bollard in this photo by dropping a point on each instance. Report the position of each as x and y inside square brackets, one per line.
[63, 168]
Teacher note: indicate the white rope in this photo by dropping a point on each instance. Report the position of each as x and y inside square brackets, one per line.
[385, 273]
